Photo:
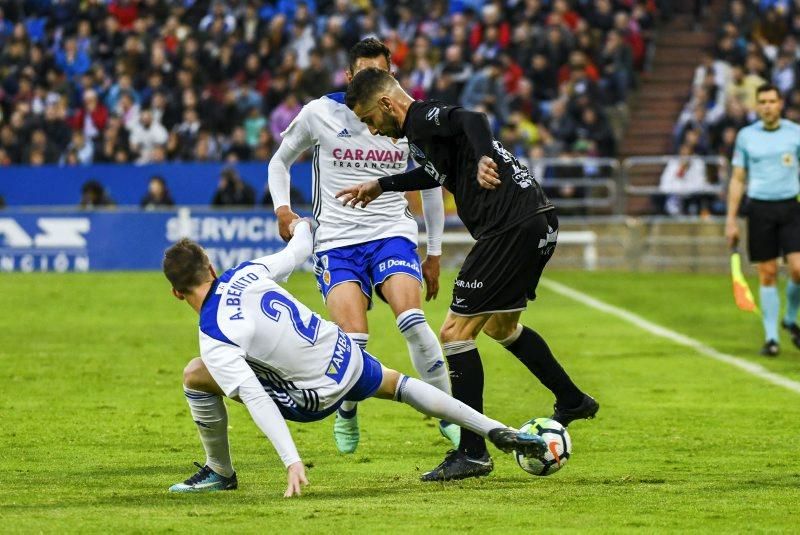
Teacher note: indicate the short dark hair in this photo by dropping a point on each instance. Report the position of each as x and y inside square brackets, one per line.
[764, 88]
[186, 265]
[365, 84]
[368, 48]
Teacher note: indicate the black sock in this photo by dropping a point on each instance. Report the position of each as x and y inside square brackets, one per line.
[466, 379]
[534, 353]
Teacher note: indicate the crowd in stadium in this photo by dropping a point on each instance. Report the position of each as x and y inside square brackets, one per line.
[151, 81]
[756, 43]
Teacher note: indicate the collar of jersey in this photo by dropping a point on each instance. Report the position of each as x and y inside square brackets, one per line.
[209, 294]
[405, 121]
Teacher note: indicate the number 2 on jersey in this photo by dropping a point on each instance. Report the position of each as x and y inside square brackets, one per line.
[273, 304]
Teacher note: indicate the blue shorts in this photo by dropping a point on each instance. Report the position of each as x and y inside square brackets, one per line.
[365, 387]
[368, 264]
[368, 383]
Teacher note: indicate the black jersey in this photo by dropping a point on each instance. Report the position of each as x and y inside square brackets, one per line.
[447, 155]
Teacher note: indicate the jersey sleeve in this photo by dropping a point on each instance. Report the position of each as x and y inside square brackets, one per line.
[225, 361]
[430, 119]
[281, 264]
[433, 212]
[299, 135]
[739, 152]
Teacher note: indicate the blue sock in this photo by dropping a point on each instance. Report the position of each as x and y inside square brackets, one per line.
[770, 308]
[792, 302]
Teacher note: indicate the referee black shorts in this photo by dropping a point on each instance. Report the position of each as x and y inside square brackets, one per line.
[501, 272]
[773, 229]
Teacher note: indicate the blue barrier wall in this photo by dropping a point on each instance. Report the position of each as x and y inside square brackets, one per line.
[74, 240]
[189, 183]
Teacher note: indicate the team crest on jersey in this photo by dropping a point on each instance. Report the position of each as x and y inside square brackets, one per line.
[788, 159]
[326, 277]
[416, 152]
[433, 115]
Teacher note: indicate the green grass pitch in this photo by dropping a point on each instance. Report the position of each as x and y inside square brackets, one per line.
[95, 427]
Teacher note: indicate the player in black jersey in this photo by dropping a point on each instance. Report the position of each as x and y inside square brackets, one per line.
[515, 229]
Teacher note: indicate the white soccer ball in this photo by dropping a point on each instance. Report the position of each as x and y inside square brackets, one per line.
[559, 447]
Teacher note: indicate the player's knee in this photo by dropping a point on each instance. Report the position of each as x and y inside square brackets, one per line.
[498, 330]
[768, 278]
[388, 385]
[194, 373]
[448, 333]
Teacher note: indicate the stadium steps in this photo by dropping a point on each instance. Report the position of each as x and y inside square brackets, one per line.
[663, 91]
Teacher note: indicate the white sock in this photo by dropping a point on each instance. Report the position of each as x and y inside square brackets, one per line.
[424, 348]
[433, 402]
[348, 408]
[211, 417]
[505, 342]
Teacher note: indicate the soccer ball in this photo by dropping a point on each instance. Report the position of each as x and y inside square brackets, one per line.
[559, 447]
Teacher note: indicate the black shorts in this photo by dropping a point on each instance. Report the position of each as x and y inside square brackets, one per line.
[773, 229]
[501, 273]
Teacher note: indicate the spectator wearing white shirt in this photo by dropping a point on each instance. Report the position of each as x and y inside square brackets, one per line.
[145, 135]
[683, 181]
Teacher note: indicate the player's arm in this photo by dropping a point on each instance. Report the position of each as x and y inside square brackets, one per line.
[281, 264]
[296, 139]
[736, 189]
[433, 211]
[227, 366]
[475, 126]
[366, 192]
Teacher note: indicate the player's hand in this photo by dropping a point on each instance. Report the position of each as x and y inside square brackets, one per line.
[295, 477]
[732, 233]
[363, 193]
[430, 272]
[488, 178]
[285, 218]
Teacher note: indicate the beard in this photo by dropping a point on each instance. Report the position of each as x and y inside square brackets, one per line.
[394, 129]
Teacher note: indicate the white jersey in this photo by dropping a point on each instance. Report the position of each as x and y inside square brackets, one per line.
[305, 363]
[346, 154]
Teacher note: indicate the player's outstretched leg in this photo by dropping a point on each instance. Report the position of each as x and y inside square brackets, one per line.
[433, 402]
[426, 355]
[346, 433]
[209, 413]
[531, 349]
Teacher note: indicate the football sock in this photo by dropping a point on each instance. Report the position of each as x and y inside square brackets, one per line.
[211, 417]
[770, 310]
[466, 380]
[360, 338]
[535, 354]
[431, 401]
[348, 408]
[792, 302]
[424, 348]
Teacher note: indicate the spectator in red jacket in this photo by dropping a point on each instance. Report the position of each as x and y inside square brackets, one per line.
[125, 11]
[92, 117]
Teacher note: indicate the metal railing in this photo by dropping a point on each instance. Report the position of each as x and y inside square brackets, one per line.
[605, 185]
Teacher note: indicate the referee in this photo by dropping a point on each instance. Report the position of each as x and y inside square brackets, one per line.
[766, 157]
[515, 228]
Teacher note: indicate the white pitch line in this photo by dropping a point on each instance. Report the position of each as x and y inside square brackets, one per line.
[673, 336]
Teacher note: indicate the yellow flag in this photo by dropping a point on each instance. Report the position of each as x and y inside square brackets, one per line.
[741, 291]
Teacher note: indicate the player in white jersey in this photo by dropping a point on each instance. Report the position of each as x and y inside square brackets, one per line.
[261, 346]
[375, 247]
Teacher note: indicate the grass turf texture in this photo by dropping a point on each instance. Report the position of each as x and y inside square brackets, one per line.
[95, 427]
